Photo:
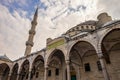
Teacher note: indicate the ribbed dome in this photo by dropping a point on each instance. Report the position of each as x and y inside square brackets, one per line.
[86, 26]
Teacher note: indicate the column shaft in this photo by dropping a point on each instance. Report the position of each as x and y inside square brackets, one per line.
[68, 70]
[45, 73]
[104, 70]
[29, 75]
[9, 76]
[17, 76]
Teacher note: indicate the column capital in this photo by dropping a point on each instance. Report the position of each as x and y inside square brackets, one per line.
[10, 74]
[32, 32]
[30, 70]
[67, 62]
[100, 56]
[46, 66]
[29, 43]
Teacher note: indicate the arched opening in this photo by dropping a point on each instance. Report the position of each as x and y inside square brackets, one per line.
[37, 72]
[24, 72]
[75, 62]
[4, 71]
[83, 59]
[14, 72]
[56, 66]
[111, 51]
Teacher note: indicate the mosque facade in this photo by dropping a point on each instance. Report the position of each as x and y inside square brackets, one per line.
[87, 51]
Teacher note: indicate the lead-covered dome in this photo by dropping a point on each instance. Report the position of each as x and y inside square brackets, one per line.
[82, 27]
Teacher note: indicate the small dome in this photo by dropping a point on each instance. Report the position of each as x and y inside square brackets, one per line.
[103, 18]
[5, 58]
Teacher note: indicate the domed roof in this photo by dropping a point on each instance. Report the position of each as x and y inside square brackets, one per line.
[5, 58]
[86, 26]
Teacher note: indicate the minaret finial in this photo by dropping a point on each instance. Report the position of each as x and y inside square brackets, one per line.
[36, 12]
[29, 43]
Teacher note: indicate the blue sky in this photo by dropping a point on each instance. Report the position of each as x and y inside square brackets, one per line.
[55, 18]
[25, 5]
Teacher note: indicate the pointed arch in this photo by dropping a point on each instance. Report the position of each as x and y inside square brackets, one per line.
[14, 72]
[57, 52]
[37, 68]
[4, 71]
[108, 41]
[56, 64]
[24, 71]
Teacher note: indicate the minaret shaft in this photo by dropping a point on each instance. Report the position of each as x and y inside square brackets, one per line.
[30, 43]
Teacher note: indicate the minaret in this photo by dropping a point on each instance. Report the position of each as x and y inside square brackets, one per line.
[29, 43]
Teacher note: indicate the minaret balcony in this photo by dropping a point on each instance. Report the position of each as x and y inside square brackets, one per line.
[29, 43]
[32, 32]
[34, 22]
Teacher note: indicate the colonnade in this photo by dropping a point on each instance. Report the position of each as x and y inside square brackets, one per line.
[67, 61]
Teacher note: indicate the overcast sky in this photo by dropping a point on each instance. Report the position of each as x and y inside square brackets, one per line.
[55, 17]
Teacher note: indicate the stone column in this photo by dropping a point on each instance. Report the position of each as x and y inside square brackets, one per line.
[45, 73]
[18, 75]
[0, 76]
[29, 74]
[104, 70]
[9, 76]
[64, 72]
[81, 72]
[68, 70]
[78, 73]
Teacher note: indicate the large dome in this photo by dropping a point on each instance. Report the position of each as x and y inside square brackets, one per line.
[82, 27]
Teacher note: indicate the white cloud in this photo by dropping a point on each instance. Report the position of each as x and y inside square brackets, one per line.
[111, 6]
[13, 33]
[57, 18]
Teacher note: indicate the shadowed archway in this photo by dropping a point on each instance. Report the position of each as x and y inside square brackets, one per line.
[37, 72]
[4, 71]
[81, 54]
[110, 40]
[14, 72]
[56, 66]
[111, 51]
[24, 72]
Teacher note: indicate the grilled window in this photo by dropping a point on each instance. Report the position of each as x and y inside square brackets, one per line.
[57, 72]
[87, 67]
[99, 66]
